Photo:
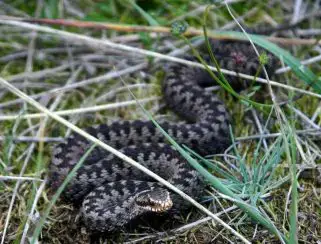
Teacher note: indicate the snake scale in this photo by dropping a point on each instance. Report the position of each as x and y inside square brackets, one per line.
[112, 193]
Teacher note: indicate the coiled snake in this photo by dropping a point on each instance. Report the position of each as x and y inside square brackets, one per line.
[111, 192]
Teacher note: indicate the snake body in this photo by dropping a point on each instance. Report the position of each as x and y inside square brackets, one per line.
[111, 192]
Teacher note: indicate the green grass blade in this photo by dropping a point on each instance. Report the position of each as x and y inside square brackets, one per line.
[212, 166]
[294, 193]
[224, 83]
[299, 70]
[146, 16]
[253, 212]
[58, 193]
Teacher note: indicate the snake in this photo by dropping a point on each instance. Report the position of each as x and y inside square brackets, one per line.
[111, 193]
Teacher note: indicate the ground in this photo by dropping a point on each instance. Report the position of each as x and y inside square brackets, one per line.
[86, 64]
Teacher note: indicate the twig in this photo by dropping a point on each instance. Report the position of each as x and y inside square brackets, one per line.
[39, 74]
[272, 135]
[304, 118]
[79, 110]
[158, 29]
[7, 177]
[32, 139]
[304, 62]
[259, 127]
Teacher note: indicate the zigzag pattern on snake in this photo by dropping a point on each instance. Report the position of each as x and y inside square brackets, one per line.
[111, 192]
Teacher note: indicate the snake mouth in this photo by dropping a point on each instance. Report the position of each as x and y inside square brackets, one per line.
[156, 200]
[161, 206]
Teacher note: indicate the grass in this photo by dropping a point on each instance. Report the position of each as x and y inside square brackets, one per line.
[255, 181]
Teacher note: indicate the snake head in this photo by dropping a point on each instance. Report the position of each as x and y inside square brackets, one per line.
[155, 200]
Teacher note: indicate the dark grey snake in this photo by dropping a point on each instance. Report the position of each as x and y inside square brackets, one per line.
[112, 193]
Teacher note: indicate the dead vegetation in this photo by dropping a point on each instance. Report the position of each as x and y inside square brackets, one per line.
[77, 72]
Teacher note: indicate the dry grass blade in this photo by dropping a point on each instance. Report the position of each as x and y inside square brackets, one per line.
[80, 110]
[152, 29]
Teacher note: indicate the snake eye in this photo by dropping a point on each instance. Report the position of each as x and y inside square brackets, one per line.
[155, 200]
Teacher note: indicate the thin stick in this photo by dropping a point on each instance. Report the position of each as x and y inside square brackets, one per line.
[32, 139]
[155, 29]
[7, 177]
[78, 110]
